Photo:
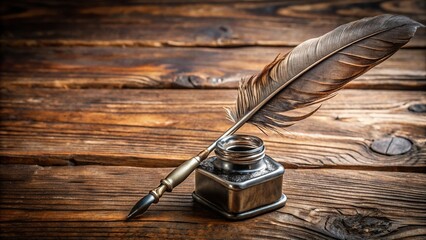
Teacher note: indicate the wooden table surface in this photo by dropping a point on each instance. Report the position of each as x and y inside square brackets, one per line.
[100, 100]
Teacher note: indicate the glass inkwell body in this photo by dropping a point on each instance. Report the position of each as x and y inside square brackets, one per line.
[240, 181]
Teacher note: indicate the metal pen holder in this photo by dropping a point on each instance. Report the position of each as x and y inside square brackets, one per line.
[240, 181]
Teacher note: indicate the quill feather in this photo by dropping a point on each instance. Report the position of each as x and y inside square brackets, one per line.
[314, 70]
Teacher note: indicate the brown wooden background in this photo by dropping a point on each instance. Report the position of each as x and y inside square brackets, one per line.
[100, 99]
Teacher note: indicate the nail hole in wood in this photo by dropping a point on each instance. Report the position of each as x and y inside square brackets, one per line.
[224, 29]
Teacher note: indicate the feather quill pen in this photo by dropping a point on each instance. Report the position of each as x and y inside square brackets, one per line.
[309, 74]
[317, 68]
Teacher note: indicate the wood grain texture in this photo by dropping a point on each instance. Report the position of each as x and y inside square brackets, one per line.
[92, 202]
[110, 67]
[162, 128]
[272, 23]
[65, 72]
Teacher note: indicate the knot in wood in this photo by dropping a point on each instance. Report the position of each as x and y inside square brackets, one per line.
[391, 146]
[358, 226]
[188, 81]
[417, 108]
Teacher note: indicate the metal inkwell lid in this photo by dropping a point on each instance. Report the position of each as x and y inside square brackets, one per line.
[241, 162]
[240, 153]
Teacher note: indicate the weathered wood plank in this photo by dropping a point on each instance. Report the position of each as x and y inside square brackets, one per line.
[159, 128]
[273, 23]
[110, 67]
[92, 202]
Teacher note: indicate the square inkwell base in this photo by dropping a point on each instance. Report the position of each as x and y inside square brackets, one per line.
[239, 196]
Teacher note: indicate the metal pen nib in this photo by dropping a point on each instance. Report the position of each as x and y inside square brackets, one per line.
[141, 206]
[177, 176]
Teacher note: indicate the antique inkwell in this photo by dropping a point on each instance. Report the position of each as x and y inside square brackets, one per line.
[240, 181]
